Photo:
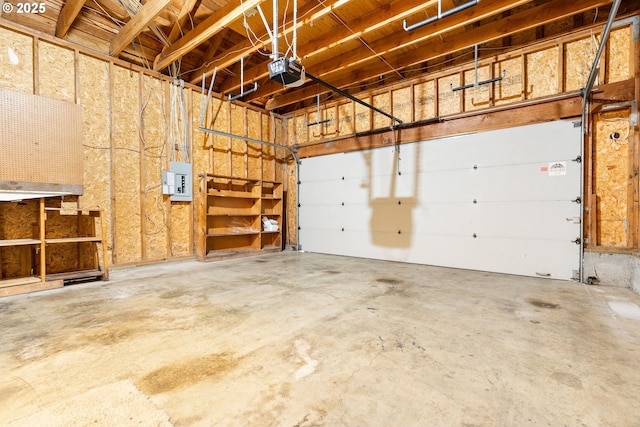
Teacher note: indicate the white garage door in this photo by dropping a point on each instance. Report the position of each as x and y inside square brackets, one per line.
[503, 201]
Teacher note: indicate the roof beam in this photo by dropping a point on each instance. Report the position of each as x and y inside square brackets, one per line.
[247, 48]
[203, 31]
[371, 21]
[368, 68]
[176, 31]
[401, 39]
[67, 15]
[136, 25]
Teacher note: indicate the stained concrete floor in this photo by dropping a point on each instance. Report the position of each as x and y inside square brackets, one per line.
[300, 339]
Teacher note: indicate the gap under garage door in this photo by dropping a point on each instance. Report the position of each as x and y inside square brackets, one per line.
[503, 201]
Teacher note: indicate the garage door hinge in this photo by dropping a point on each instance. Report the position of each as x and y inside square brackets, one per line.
[577, 200]
[577, 159]
[577, 124]
[577, 241]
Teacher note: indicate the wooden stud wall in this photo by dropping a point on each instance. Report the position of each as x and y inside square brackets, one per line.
[126, 147]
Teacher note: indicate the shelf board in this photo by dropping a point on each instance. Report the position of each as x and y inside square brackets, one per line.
[19, 281]
[232, 233]
[233, 194]
[270, 232]
[232, 214]
[19, 242]
[276, 199]
[271, 248]
[75, 275]
[73, 239]
[232, 178]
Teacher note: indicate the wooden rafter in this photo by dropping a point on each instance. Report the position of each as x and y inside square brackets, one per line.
[137, 24]
[205, 30]
[68, 14]
[357, 27]
[248, 47]
[366, 68]
[181, 19]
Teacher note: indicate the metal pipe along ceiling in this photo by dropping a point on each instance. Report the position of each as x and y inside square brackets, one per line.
[440, 15]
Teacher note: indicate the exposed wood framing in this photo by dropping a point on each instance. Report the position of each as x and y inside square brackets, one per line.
[435, 48]
[205, 30]
[373, 21]
[136, 24]
[249, 47]
[68, 14]
[515, 115]
[112, 150]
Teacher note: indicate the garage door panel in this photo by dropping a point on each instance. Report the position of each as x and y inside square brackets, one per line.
[556, 220]
[420, 207]
[525, 182]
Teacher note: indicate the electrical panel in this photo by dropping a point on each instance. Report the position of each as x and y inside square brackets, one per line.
[178, 182]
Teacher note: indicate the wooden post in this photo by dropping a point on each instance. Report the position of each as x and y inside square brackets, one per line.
[105, 255]
[43, 258]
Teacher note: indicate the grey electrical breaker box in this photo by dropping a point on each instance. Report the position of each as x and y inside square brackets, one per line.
[178, 182]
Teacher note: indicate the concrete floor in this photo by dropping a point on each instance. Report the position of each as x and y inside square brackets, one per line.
[299, 339]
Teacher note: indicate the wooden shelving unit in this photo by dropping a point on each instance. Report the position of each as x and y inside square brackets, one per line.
[33, 252]
[233, 211]
[271, 208]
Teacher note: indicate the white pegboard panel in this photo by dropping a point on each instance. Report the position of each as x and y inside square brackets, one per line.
[40, 139]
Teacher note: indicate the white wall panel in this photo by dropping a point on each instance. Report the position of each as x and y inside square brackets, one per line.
[417, 205]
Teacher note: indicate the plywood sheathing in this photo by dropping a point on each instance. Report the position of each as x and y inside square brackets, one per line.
[314, 132]
[448, 100]
[94, 97]
[509, 89]
[478, 97]
[222, 144]
[382, 101]
[153, 143]
[579, 56]
[424, 100]
[202, 164]
[66, 256]
[611, 170]
[402, 104]
[363, 116]
[18, 220]
[56, 72]
[542, 73]
[16, 61]
[126, 157]
[346, 125]
[280, 154]
[301, 130]
[267, 152]
[620, 49]
[254, 150]
[238, 146]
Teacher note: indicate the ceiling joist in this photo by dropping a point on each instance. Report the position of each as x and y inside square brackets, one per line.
[202, 32]
[435, 48]
[136, 24]
[249, 47]
[68, 14]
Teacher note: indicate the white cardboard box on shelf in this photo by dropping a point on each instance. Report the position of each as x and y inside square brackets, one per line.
[269, 224]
